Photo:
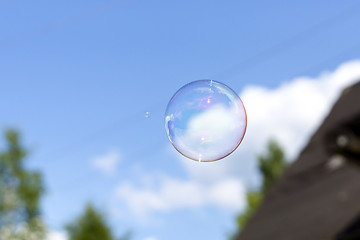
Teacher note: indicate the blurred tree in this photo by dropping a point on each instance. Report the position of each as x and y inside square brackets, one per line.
[271, 165]
[20, 193]
[91, 225]
[253, 200]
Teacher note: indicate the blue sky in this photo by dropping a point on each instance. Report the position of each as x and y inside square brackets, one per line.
[76, 78]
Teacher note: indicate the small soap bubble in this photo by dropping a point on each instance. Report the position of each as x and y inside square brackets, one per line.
[205, 120]
[147, 115]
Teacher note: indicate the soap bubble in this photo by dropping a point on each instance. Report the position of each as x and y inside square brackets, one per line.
[205, 120]
[147, 115]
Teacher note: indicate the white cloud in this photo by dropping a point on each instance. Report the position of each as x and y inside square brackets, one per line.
[289, 113]
[173, 194]
[107, 163]
[56, 235]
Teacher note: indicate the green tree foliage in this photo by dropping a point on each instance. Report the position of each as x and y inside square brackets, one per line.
[20, 193]
[91, 225]
[271, 165]
[253, 200]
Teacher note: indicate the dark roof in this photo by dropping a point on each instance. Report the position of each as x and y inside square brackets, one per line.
[318, 197]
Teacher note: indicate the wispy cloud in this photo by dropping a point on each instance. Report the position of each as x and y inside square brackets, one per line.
[107, 163]
[170, 193]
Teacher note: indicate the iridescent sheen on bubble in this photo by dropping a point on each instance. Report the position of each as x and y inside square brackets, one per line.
[205, 120]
